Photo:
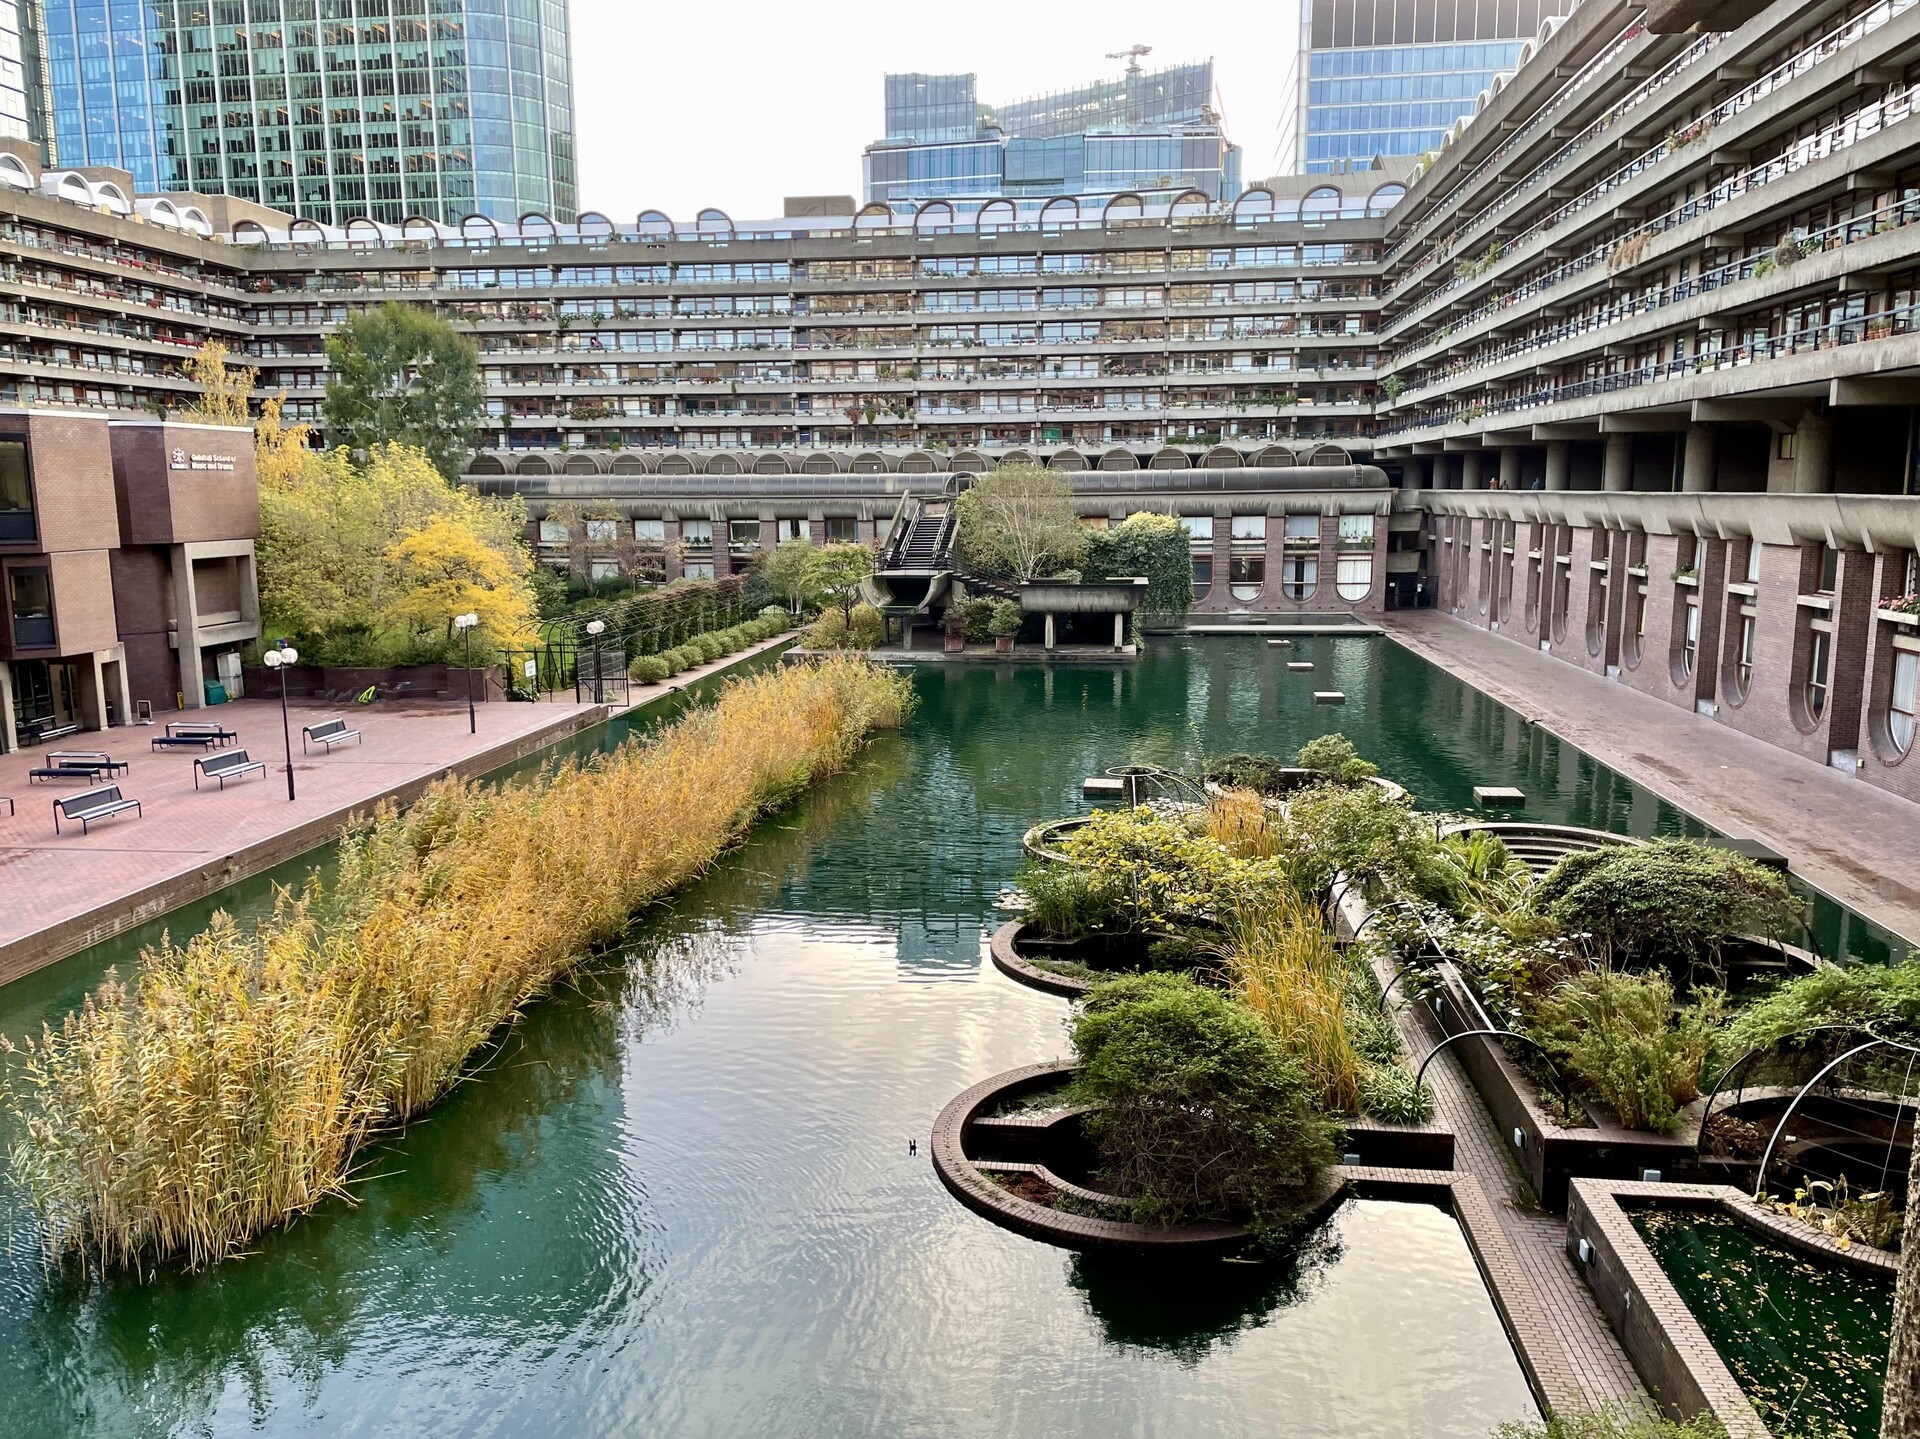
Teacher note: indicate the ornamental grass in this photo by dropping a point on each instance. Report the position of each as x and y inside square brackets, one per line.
[1287, 970]
[228, 1086]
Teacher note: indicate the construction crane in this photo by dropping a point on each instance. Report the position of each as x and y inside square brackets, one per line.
[1132, 56]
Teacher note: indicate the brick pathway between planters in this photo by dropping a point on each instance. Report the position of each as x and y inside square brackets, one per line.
[1599, 1366]
[1846, 838]
[60, 894]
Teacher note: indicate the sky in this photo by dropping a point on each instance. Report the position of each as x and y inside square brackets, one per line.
[686, 105]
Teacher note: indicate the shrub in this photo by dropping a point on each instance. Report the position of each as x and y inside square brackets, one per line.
[865, 628]
[1004, 620]
[711, 646]
[828, 632]
[1286, 969]
[1621, 1036]
[1160, 870]
[1624, 1422]
[648, 670]
[1262, 773]
[1200, 1113]
[1068, 900]
[979, 619]
[1155, 547]
[1334, 755]
[1884, 999]
[1388, 1093]
[230, 1084]
[1359, 832]
[775, 613]
[1672, 902]
[678, 659]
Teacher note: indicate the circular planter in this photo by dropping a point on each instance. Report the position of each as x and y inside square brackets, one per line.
[1004, 948]
[1040, 841]
[1293, 778]
[962, 1137]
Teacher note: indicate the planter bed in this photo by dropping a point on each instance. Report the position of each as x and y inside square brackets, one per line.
[1669, 1346]
[1023, 959]
[1294, 778]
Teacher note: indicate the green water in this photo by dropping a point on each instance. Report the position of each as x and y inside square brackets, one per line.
[1807, 1342]
[678, 1200]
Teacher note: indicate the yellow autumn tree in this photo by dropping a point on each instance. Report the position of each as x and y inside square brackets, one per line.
[447, 568]
[224, 388]
[281, 452]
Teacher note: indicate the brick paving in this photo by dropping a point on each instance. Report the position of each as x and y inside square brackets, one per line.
[61, 894]
[1599, 1369]
[1848, 839]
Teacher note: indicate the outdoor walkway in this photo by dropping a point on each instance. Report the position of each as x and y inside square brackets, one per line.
[1600, 1367]
[61, 894]
[1856, 843]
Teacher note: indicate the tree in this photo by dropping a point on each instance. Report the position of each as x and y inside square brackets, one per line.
[836, 573]
[1154, 546]
[447, 568]
[1018, 522]
[223, 390]
[400, 375]
[789, 570]
[1900, 1407]
[281, 451]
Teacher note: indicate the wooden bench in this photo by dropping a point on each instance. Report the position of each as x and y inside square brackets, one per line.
[86, 769]
[327, 733]
[191, 729]
[98, 758]
[92, 804]
[234, 764]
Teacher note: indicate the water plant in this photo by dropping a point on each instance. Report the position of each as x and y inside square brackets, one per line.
[229, 1083]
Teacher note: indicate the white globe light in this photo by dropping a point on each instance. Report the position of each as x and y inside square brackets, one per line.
[595, 627]
[290, 655]
[271, 659]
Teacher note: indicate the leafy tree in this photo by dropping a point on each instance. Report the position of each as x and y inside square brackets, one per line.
[281, 451]
[447, 568]
[835, 573]
[789, 571]
[400, 375]
[224, 390]
[1153, 546]
[1018, 523]
[1199, 1113]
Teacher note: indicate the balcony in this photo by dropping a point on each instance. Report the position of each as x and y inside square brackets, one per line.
[18, 527]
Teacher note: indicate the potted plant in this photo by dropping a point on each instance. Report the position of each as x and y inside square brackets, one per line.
[954, 622]
[1004, 625]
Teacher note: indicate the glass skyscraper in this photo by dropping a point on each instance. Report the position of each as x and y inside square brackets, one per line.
[15, 83]
[1387, 77]
[1146, 131]
[328, 109]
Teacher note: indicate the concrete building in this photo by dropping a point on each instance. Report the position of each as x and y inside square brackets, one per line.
[126, 548]
[1626, 372]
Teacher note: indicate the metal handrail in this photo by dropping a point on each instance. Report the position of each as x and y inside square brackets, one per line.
[1566, 1097]
[1700, 1138]
[1759, 1179]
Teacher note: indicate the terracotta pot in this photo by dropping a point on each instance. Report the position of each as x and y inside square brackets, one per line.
[955, 644]
[1003, 643]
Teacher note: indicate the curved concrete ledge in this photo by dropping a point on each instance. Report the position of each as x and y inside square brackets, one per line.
[1297, 778]
[1010, 963]
[967, 1181]
[1038, 842]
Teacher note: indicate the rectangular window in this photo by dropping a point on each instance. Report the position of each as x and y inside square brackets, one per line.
[743, 535]
[602, 532]
[1753, 562]
[553, 532]
[1690, 643]
[1299, 576]
[31, 595]
[1743, 658]
[604, 570]
[16, 494]
[1247, 576]
[1829, 569]
[1202, 574]
[1819, 663]
[1199, 529]
[1303, 531]
[785, 530]
[699, 571]
[1249, 529]
[697, 535]
[842, 530]
[650, 532]
[1356, 532]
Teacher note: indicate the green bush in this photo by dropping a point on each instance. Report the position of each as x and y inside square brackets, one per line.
[1334, 755]
[864, 632]
[1358, 831]
[1068, 900]
[648, 670]
[684, 657]
[1388, 1093]
[776, 612]
[1622, 1037]
[1155, 547]
[1624, 1422]
[1199, 1113]
[1004, 619]
[1669, 903]
[1884, 999]
[979, 620]
[710, 645]
[1262, 773]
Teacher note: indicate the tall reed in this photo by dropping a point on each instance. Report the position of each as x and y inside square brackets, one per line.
[228, 1086]
[1239, 821]
[1286, 968]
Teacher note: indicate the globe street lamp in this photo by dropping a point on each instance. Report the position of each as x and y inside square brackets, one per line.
[281, 659]
[596, 628]
[465, 624]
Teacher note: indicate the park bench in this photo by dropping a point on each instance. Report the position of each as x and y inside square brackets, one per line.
[38, 732]
[86, 769]
[204, 741]
[327, 733]
[234, 764]
[92, 758]
[91, 805]
[194, 728]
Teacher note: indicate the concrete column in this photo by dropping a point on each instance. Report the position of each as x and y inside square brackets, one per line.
[1413, 473]
[1697, 462]
[1559, 463]
[1119, 629]
[186, 626]
[6, 708]
[1471, 477]
[1616, 467]
[1813, 455]
[1049, 630]
[1509, 468]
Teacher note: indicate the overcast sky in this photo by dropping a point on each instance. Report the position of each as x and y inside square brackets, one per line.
[684, 105]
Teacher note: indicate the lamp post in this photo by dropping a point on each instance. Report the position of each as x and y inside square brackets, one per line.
[465, 624]
[596, 628]
[279, 659]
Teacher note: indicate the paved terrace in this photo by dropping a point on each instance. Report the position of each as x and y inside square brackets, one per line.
[1850, 840]
[61, 894]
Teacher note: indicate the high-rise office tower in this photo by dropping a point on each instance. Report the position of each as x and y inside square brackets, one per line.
[1387, 77]
[16, 85]
[327, 109]
[1148, 130]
